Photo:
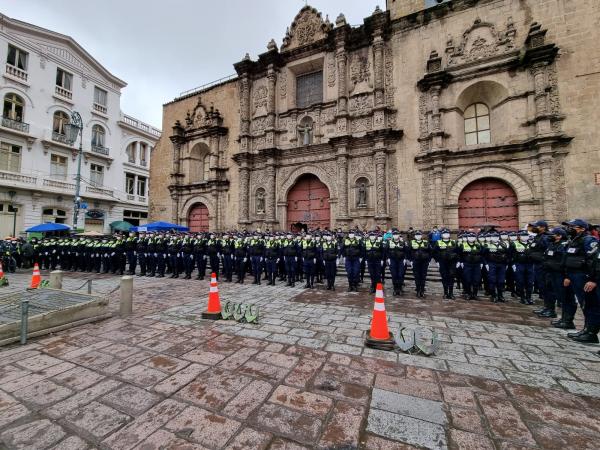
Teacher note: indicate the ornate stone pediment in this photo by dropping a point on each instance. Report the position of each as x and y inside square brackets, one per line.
[307, 27]
[201, 117]
[481, 41]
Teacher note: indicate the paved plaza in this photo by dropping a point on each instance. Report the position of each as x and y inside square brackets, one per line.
[302, 378]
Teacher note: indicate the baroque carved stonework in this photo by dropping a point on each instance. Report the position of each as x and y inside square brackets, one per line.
[360, 73]
[361, 124]
[360, 104]
[258, 125]
[331, 69]
[481, 41]
[307, 27]
[282, 80]
[260, 99]
[361, 166]
[388, 76]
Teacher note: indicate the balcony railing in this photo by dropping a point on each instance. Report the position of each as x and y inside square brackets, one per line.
[100, 108]
[16, 72]
[58, 137]
[130, 197]
[15, 125]
[143, 162]
[9, 176]
[133, 122]
[100, 149]
[63, 92]
[59, 184]
[97, 190]
[141, 199]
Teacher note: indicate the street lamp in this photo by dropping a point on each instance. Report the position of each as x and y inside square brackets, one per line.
[72, 129]
[12, 194]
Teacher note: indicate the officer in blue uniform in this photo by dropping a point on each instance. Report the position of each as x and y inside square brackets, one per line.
[240, 257]
[445, 253]
[523, 268]
[471, 260]
[272, 255]
[256, 249]
[330, 253]
[227, 250]
[353, 252]
[396, 254]
[309, 259]
[539, 243]
[374, 254]
[290, 255]
[420, 256]
[496, 256]
[575, 266]
[591, 310]
[553, 268]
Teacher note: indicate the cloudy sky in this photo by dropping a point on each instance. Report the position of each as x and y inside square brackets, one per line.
[163, 48]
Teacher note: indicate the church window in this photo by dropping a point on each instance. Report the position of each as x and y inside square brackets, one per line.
[309, 89]
[477, 124]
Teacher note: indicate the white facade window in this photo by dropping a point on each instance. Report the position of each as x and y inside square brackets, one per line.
[58, 167]
[64, 79]
[98, 135]
[130, 183]
[309, 89]
[131, 152]
[17, 57]
[54, 215]
[141, 186]
[134, 217]
[100, 96]
[143, 154]
[96, 175]
[60, 119]
[10, 157]
[477, 124]
[13, 107]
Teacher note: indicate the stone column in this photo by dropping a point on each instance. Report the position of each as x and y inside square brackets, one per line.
[244, 105]
[271, 207]
[378, 45]
[538, 71]
[342, 182]
[436, 116]
[438, 174]
[244, 194]
[340, 55]
[545, 164]
[380, 184]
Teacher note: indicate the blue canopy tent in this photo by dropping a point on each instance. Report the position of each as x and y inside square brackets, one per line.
[160, 226]
[48, 227]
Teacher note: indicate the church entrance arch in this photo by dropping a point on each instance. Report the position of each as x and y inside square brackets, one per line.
[198, 218]
[488, 200]
[308, 204]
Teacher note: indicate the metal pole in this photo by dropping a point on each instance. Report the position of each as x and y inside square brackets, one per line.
[14, 221]
[77, 183]
[89, 286]
[24, 320]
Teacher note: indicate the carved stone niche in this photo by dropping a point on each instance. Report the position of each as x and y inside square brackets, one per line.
[361, 79]
[481, 41]
[307, 27]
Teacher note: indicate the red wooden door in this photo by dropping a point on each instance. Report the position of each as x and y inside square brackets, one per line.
[308, 203]
[198, 218]
[488, 201]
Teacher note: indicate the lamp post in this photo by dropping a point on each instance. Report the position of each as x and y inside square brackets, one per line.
[72, 129]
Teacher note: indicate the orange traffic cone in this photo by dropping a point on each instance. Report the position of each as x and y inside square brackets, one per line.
[213, 311]
[1, 272]
[36, 278]
[379, 337]
[3, 279]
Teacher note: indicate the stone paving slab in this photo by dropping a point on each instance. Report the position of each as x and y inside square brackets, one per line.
[163, 378]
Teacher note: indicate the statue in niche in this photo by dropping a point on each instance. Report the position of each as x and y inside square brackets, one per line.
[305, 129]
[260, 201]
[362, 196]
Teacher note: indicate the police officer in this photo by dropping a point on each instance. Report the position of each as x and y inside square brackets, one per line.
[575, 265]
[420, 256]
[161, 255]
[272, 255]
[174, 249]
[445, 253]
[539, 243]
[130, 249]
[591, 309]
[309, 258]
[227, 250]
[396, 254]
[471, 260]
[187, 253]
[523, 268]
[353, 252]
[213, 252]
[290, 253]
[256, 249]
[553, 268]
[200, 255]
[374, 255]
[240, 257]
[330, 254]
[496, 255]
[141, 250]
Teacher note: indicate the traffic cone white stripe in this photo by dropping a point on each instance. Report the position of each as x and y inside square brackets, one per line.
[379, 306]
[214, 289]
[379, 294]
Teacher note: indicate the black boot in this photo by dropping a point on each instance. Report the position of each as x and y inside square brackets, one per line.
[500, 296]
[589, 337]
[578, 333]
[564, 324]
[549, 313]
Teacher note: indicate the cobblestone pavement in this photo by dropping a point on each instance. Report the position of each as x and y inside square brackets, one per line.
[164, 379]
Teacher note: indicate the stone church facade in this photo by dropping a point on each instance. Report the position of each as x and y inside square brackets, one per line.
[467, 112]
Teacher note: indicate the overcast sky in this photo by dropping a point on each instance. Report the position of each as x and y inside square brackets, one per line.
[161, 48]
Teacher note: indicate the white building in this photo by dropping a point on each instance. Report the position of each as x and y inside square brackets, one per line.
[46, 77]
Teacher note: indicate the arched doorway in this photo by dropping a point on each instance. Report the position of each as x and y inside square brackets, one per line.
[198, 218]
[308, 203]
[488, 200]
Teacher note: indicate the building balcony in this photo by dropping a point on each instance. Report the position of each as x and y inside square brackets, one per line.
[62, 138]
[142, 199]
[100, 108]
[15, 125]
[133, 123]
[100, 149]
[62, 92]
[56, 184]
[17, 177]
[99, 191]
[16, 72]
[131, 197]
